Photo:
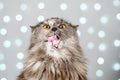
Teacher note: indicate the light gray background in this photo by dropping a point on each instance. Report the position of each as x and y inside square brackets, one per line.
[99, 32]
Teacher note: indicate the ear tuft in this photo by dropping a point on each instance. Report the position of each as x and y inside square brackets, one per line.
[77, 25]
[32, 27]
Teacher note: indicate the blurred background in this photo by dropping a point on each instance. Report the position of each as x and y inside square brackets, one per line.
[99, 32]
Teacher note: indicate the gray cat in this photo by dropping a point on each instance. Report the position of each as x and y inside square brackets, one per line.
[54, 53]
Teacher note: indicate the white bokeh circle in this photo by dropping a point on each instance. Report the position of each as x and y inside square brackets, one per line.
[1, 5]
[19, 65]
[63, 6]
[117, 43]
[20, 56]
[40, 18]
[3, 79]
[6, 19]
[104, 19]
[1, 56]
[23, 6]
[102, 47]
[3, 67]
[99, 73]
[91, 30]
[41, 5]
[83, 20]
[101, 34]
[18, 42]
[118, 16]
[116, 66]
[3, 31]
[116, 3]
[23, 29]
[97, 6]
[100, 60]
[90, 45]
[83, 6]
[7, 43]
[18, 17]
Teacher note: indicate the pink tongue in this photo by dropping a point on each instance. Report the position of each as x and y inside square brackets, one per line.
[52, 38]
[54, 41]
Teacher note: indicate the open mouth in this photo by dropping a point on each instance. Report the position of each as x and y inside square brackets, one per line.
[54, 40]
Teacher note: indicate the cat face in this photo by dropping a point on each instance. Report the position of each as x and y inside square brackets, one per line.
[53, 31]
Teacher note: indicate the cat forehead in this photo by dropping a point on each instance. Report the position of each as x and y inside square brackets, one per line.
[54, 21]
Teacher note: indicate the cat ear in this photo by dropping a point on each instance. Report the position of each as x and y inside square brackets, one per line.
[76, 26]
[38, 25]
[32, 27]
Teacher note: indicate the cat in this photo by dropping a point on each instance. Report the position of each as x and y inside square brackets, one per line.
[54, 53]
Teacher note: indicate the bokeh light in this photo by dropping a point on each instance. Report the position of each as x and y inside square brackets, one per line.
[3, 79]
[40, 18]
[1, 56]
[116, 66]
[20, 55]
[7, 43]
[101, 34]
[118, 16]
[104, 19]
[91, 30]
[102, 47]
[23, 6]
[1, 6]
[83, 6]
[100, 60]
[63, 6]
[116, 3]
[23, 29]
[41, 5]
[117, 43]
[3, 31]
[83, 20]
[19, 65]
[97, 6]
[99, 73]
[2, 67]
[18, 17]
[90, 45]
[6, 19]
[18, 42]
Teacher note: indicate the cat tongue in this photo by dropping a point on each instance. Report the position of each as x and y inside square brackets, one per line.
[54, 40]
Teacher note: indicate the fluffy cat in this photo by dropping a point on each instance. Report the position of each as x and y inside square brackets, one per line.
[54, 53]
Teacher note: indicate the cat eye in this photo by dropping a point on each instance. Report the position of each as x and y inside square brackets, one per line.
[46, 26]
[62, 26]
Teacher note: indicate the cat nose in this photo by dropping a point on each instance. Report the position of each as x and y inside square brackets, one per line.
[54, 29]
